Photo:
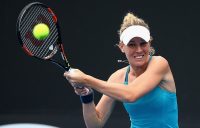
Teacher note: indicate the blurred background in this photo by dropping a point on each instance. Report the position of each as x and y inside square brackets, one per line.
[36, 92]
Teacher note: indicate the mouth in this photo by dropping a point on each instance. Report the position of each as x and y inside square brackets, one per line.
[139, 57]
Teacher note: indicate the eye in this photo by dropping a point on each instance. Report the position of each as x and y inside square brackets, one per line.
[143, 44]
[131, 44]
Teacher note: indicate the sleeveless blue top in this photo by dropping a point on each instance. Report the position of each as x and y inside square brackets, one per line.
[156, 109]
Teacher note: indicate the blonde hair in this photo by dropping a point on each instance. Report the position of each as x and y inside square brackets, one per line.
[131, 19]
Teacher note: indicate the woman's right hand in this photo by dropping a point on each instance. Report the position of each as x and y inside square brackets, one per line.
[82, 91]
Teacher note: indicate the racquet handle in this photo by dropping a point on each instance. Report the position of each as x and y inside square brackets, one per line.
[79, 86]
[76, 85]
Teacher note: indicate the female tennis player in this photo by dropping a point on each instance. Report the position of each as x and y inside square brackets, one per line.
[146, 86]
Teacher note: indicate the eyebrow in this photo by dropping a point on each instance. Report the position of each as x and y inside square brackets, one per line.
[141, 41]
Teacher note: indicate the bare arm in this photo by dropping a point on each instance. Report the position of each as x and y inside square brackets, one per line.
[96, 116]
[144, 83]
[140, 86]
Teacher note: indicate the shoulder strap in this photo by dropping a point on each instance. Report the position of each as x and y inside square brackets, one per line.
[126, 76]
[150, 58]
[128, 70]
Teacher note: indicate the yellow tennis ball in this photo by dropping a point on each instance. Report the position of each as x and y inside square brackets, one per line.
[41, 31]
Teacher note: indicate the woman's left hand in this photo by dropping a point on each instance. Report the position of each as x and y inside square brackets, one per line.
[75, 76]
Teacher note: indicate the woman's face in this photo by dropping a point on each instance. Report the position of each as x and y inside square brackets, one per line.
[137, 52]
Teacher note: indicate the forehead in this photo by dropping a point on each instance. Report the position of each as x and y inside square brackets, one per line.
[137, 40]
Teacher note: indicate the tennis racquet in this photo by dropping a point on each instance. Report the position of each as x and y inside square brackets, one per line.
[31, 15]
[47, 49]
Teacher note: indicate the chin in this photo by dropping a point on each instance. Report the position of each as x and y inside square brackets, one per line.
[139, 63]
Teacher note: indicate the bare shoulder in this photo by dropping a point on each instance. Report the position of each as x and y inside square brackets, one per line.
[118, 76]
[163, 67]
[160, 60]
[159, 63]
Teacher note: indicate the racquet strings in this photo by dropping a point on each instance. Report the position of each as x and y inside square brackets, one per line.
[32, 16]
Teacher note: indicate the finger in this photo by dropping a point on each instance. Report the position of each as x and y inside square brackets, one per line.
[80, 92]
[66, 73]
[78, 86]
[77, 93]
[67, 76]
[79, 89]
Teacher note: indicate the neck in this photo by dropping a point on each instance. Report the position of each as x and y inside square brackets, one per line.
[137, 71]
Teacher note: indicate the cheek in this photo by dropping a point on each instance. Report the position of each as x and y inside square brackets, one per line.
[147, 48]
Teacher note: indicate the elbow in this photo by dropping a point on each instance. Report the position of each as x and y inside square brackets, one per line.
[94, 122]
[130, 98]
[94, 126]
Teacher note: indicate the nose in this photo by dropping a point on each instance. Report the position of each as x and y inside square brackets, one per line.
[138, 48]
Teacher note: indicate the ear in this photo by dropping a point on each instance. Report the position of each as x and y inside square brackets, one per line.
[121, 46]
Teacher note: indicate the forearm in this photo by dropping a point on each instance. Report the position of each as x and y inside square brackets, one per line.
[91, 117]
[114, 90]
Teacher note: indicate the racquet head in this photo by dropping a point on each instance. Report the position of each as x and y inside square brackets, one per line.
[31, 15]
